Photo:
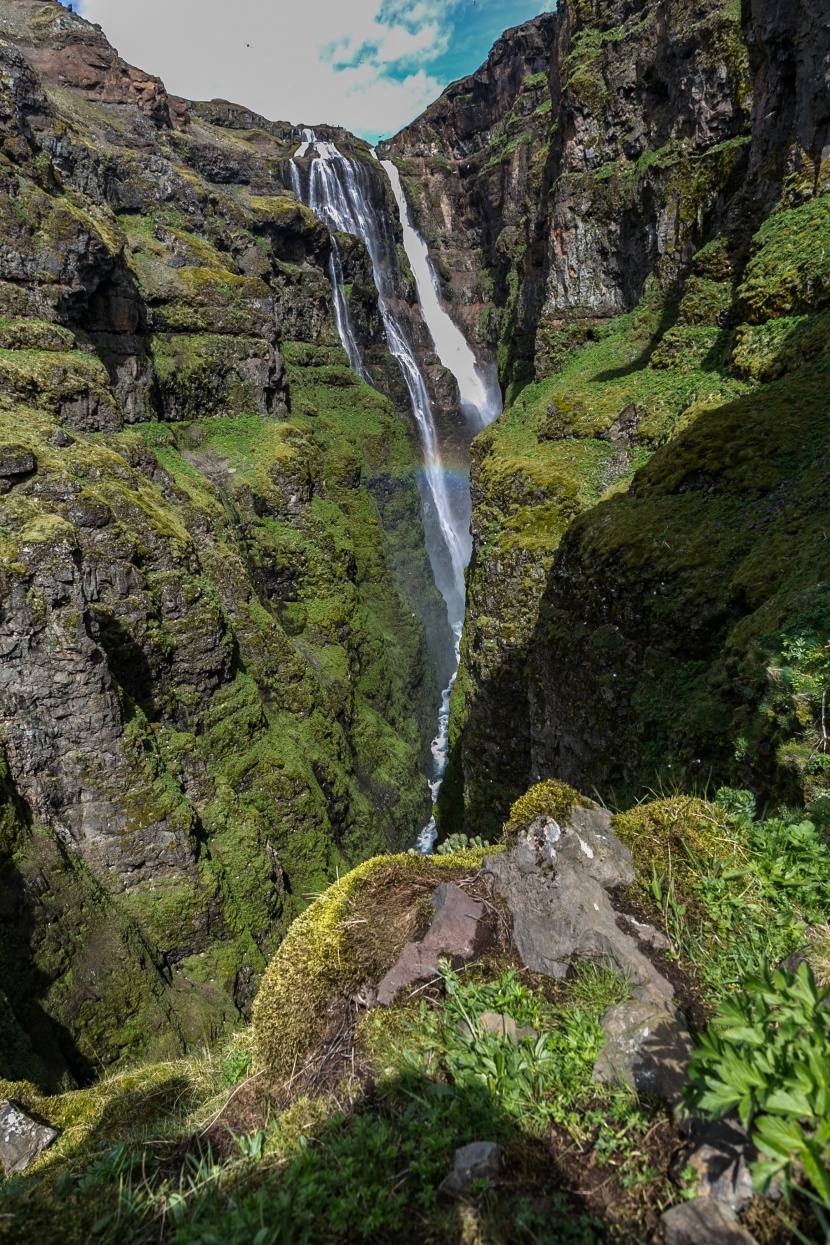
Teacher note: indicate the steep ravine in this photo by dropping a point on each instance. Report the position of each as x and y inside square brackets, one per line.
[665, 416]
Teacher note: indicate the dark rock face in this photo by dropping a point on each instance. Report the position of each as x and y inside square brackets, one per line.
[676, 622]
[789, 55]
[215, 686]
[636, 297]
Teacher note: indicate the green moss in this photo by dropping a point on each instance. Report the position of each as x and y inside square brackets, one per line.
[765, 352]
[35, 335]
[55, 378]
[351, 934]
[667, 838]
[547, 799]
[789, 273]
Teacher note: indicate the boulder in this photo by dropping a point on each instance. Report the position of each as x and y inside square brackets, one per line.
[704, 1221]
[15, 461]
[647, 1048]
[22, 1139]
[480, 1160]
[717, 1156]
[452, 933]
[555, 880]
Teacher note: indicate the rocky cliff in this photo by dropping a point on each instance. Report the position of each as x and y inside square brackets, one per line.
[474, 166]
[215, 686]
[665, 206]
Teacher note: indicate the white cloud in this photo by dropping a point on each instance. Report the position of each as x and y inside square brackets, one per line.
[363, 64]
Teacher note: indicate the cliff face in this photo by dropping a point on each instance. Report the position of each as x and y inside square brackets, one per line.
[474, 168]
[215, 685]
[666, 233]
[695, 606]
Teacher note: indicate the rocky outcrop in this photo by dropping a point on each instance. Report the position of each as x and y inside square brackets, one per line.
[22, 1139]
[65, 50]
[215, 684]
[452, 933]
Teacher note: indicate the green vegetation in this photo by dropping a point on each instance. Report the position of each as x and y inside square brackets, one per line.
[355, 1145]
[678, 458]
[730, 892]
[547, 799]
[331, 949]
[766, 1056]
[350, 1125]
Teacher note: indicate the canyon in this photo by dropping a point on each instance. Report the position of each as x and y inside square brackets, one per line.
[336, 482]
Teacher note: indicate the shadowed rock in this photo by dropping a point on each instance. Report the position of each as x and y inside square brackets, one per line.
[646, 1047]
[717, 1156]
[480, 1160]
[704, 1222]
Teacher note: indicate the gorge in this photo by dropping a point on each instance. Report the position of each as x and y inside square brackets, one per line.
[339, 194]
[517, 423]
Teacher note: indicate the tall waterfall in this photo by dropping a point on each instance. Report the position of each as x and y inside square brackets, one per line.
[339, 193]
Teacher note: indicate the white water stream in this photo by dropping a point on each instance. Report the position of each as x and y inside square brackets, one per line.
[339, 193]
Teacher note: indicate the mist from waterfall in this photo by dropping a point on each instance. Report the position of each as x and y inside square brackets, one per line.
[340, 194]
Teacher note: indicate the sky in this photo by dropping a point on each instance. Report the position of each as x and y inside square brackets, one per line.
[369, 65]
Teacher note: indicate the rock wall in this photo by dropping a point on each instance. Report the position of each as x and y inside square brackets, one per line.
[474, 166]
[215, 686]
[652, 311]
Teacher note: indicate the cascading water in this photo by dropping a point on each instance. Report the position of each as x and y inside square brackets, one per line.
[481, 403]
[340, 194]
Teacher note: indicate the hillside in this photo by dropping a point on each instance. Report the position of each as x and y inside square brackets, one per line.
[663, 245]
[216, 688]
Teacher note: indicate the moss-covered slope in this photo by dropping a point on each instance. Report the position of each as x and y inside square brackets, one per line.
[215, 687]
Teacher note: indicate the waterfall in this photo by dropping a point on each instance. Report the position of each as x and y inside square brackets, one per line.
[481, 403]
[339, 193]
[480, 393]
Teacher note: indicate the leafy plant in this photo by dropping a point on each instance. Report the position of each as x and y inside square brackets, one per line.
[736, 803]
[766, 1056]
[460, 843]
[541, 1077]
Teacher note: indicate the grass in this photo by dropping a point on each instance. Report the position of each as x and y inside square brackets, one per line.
[363, 1162]
[353, 1133]
[731, 893]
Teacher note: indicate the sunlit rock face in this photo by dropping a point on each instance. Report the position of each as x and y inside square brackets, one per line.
[473, 166]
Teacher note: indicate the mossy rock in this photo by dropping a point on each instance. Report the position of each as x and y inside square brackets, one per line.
[351, 935]
[670, 839]
[550, 798]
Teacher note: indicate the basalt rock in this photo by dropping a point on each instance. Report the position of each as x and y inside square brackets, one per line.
[22, 1139]
[451, 934]
[704, 1222]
